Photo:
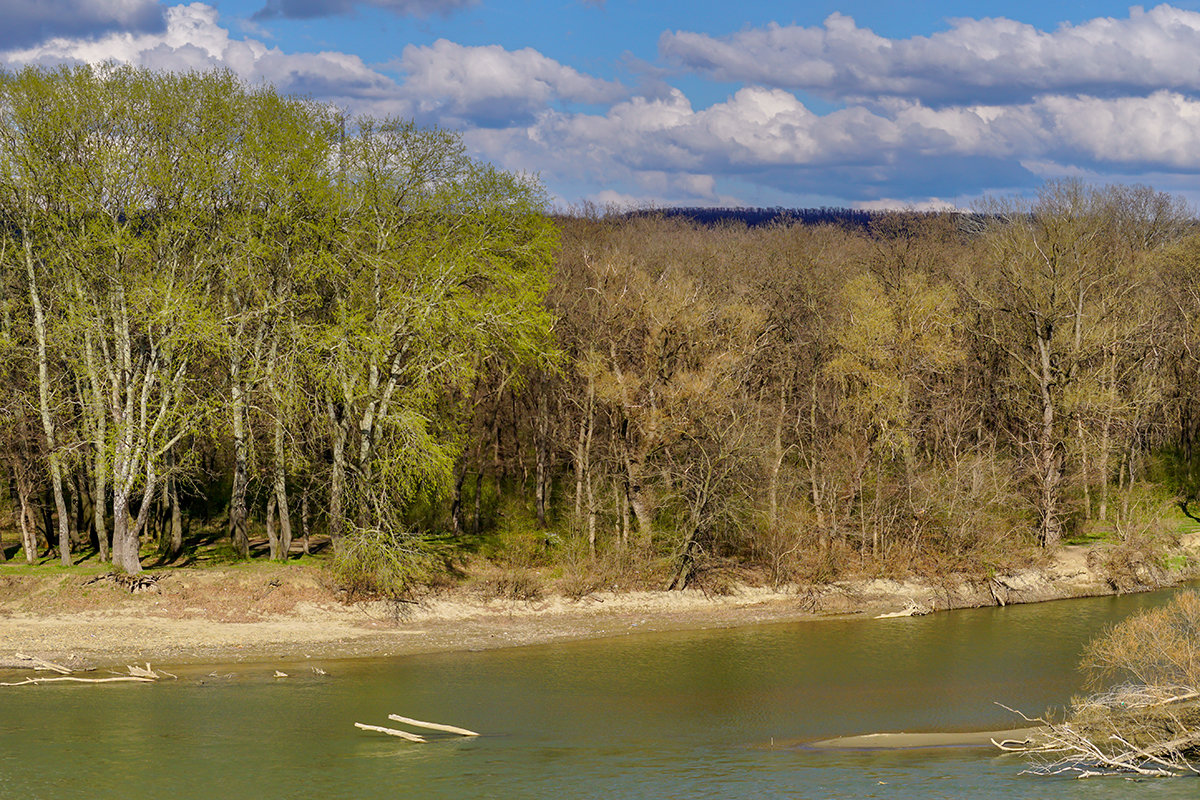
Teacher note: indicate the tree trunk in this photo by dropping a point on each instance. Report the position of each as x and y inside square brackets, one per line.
[272, 536]
[74, 512]
[687, 563]
[339, 429]
[280, 491]
[52, 454]
[1083, 468]
[776, 465]
[1050, 466]
[238, 535]
[477, 526]
[456, 524]
[1106, 443]
[304, 518]
[584, 467]
[1105, 452]
[175, 545]
[100, 464]
[28, 527]
[540, 454]
[634, 499]
[125, 543]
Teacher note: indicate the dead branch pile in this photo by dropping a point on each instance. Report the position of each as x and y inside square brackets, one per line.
[1142, 731]
[141, 582]
[1144, 714]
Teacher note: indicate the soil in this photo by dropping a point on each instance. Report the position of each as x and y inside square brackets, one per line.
[262, 612]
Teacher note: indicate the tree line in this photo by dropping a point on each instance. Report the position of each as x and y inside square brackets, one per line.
[219, 292]
[937, 390]
[226, 306]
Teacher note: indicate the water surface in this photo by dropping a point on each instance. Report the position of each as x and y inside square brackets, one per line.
[685, 714]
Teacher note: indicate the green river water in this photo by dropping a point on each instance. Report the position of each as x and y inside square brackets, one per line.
[700, 714]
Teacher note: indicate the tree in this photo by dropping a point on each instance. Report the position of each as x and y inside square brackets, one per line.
[440, 257]
[1059, 272]
[895, 344]
[1143, 716]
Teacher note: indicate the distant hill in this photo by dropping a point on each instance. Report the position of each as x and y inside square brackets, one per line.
[757, 217]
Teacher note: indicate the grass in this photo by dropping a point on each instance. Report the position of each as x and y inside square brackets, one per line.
[205, 548]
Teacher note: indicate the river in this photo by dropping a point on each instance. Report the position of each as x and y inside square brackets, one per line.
[698, 714]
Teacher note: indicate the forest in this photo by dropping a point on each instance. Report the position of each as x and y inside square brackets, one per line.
[231, 314]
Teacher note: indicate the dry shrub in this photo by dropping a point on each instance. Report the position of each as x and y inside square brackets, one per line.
[616, 569]
[1144, 715]
[509, 583]
[1129, 565]
[723, 577]
[372, 563]
[1160, 647]
[1135, 559]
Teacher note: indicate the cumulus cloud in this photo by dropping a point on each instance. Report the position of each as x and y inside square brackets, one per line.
[992, 59]
[892, 204]
[25, 22]
[492, 86]
[445, 83]
[586, 135]
[193, 40]
[768, 137]
[308, 9]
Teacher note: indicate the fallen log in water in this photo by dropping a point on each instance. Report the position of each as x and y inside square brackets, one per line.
[1135, 737]
[126, 678]
[412, 737]
[433, 726]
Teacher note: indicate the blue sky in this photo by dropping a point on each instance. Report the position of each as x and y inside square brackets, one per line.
[863, 103]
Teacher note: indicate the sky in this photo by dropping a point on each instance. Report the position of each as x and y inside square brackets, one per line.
[859, 103]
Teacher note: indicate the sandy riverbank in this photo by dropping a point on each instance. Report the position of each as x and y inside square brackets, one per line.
[289, 612]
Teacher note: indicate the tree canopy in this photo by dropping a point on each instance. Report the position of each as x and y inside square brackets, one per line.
[198, 257]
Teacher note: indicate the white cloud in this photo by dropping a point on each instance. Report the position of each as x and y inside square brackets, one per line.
[446, 83]
[993, 58]
[767, 136]
[492, 85]
[194, 40]
[24, 22]
[892, 204]
[522, 109]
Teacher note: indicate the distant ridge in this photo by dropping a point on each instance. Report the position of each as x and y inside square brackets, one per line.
[757, 217]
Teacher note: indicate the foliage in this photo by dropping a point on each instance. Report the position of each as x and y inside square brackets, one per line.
[217, 301]
[1160, 647]
[1143, 716]
[373, 563]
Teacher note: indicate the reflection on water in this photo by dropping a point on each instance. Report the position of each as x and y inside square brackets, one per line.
[656, 715]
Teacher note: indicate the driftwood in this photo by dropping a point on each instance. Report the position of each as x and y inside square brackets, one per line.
[125, 678]
[911, 610]
[1131, 730]
[136, 675]
[412, 737]
[433, 726]
[40, 664]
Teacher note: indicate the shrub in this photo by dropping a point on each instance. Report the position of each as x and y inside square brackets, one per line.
[1160, 647]
[371, 563]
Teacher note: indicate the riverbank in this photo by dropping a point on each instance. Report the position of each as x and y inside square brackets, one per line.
[269, 612]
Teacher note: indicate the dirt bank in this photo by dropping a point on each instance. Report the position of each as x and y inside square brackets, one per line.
[263, 611]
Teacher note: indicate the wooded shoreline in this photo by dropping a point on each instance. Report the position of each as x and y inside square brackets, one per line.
[228, 314]
[306, 623]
